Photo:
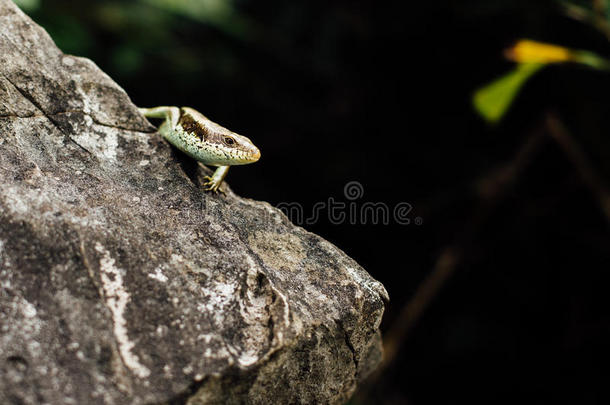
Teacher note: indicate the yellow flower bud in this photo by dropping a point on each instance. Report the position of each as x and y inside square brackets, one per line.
[527, 51]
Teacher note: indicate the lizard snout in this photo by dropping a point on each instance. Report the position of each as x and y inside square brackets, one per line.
[256, 154]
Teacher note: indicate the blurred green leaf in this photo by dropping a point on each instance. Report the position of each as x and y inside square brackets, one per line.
[592, 60]
[493, 100]
[127, 59]
[28, 5]
[70, 34]
[220, 13]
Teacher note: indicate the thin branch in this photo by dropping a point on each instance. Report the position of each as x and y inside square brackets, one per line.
[559, 133]
[491, 190]
[595, 17]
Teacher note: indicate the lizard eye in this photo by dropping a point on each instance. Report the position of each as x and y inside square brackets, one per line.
[228, 140]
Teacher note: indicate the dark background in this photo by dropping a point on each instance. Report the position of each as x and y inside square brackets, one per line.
[499, 295]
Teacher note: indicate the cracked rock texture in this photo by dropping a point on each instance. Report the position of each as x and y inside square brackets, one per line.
[121, 282]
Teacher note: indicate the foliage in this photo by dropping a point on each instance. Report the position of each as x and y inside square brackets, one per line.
[493, 100]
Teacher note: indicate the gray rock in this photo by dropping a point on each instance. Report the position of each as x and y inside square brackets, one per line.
[121, 282]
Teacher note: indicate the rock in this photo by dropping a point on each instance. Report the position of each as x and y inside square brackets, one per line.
[121, 282]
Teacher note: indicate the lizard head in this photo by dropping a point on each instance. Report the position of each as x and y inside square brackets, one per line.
[220, 146]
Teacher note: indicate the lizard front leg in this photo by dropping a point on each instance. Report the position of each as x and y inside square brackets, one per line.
[214, 182]
[170, 114]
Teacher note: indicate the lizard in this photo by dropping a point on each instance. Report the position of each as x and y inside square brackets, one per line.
[204, 140]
